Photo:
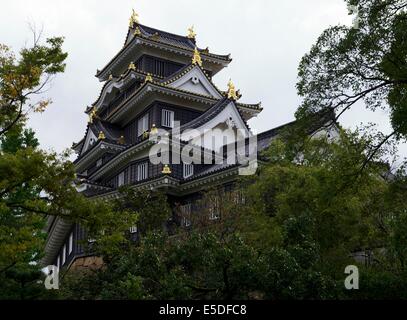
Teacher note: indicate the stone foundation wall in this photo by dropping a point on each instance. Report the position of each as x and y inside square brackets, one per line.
[87, 263]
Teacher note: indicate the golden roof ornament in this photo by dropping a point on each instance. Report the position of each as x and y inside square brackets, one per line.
[137, 31]
[132, 66]
[191, 33]
[101, 136]
[196, 59]
[121, 140]
[92, 115]
[145, 134]
[148, 78]
[110, 77]
[166, 169]
[133, 18]
[155, 36]
[232, 94]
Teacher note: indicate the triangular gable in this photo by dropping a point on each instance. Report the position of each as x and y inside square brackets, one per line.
[90, 139]
[228, 118]
[116, 84]
[197, 82]
[77, 147]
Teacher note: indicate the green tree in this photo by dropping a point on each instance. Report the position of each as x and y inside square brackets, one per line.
[117, 280]
[321, 208]
[147, 210]
[21, 238]
[35, 184]
[364, 63]
[189, 266]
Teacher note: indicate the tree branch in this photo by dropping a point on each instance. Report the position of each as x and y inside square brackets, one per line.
[376, 149]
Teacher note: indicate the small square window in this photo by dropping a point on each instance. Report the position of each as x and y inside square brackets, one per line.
[167, 118]
[142, 125]
[142, 171]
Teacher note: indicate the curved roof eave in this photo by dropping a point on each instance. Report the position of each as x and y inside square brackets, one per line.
[206, 56]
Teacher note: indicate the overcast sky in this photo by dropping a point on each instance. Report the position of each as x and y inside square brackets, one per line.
[266, 39]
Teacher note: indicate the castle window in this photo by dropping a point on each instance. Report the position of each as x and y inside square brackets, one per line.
[214, 210]
[63, 255]
[167, 118]
[238, 196]
[133, 229]
[188, 170]
[142, 171]
[121, 179]
[142, 125]
[186, 214]
[70, 247]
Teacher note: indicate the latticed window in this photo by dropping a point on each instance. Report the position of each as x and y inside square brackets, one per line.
[142, 125]
[142, 171]
[120, 181]
[188, 170]
[186, 211]
[214, 209]
[238, 196]
[167, 118]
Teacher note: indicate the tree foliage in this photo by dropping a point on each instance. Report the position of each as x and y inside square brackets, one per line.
[360, 65]
[23, 78]
[35, 184]
[301, 223]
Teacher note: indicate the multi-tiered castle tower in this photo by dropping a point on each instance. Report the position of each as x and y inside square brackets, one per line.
[156, 80]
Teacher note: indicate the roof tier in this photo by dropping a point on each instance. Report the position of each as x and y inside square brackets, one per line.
[141, 40]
